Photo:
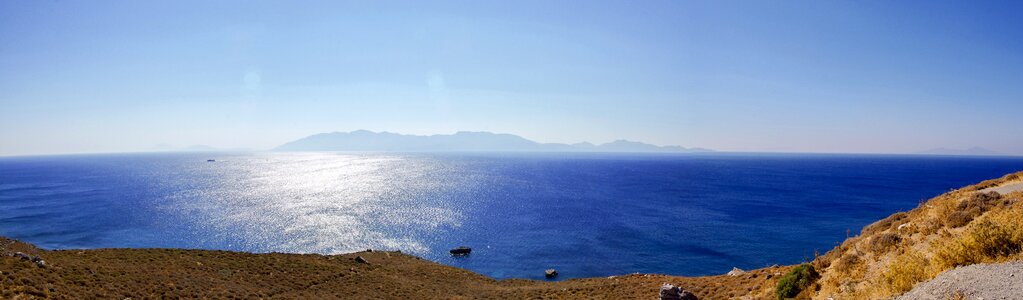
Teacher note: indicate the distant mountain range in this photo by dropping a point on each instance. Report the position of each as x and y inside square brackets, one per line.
[977, 151]
[194, 148]
[363, 140]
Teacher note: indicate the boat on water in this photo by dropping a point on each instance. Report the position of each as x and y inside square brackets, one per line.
[461, 251]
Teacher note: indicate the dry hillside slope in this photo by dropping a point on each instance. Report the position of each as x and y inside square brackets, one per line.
[176, 273]
[974, 224]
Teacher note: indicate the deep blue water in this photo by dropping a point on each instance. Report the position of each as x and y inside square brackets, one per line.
[584, 214]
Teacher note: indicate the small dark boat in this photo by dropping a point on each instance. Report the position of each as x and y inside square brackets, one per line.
[550, 273]
[211, 160]
[461, 251]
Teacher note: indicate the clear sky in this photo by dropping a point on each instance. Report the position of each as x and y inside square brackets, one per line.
[793, 76]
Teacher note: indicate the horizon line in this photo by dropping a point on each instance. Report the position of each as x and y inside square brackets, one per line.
[214, 149]
[708, 153]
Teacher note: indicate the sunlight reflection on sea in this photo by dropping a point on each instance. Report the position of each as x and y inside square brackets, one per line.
[322, 203]
[585, 214]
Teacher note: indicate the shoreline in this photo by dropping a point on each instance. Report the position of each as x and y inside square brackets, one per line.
[127, 272]
[887, 258]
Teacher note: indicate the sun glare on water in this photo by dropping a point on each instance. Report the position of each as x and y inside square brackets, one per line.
[321, 202]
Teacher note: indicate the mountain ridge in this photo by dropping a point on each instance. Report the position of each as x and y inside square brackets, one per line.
[365, 140]
[973, 151]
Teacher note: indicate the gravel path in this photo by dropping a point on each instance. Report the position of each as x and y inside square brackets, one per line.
[1005, 189]
[980, 281]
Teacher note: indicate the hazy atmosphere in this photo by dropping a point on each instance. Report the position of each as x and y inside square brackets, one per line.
[566, 149]
[793, 76]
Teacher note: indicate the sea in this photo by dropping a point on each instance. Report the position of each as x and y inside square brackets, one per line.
[584, 214]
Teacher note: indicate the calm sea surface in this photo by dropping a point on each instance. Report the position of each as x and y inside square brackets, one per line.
[584, 214]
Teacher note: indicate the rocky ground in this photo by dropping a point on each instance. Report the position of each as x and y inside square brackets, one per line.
[176, 273]
[980, 281]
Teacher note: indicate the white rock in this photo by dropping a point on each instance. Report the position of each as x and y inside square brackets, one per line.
[736, 272]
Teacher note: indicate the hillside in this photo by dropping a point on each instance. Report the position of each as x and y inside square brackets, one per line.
[982, 223]
[175, 273]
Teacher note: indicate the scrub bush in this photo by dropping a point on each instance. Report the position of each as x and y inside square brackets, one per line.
[795, 281]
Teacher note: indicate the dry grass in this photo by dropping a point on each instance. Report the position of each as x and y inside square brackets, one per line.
[883, 242]
[848, 263]
[958, 219]
[201, 274]
[997, 237]
[994, 237]
[904, 272]
[894, 220]
[961, 227]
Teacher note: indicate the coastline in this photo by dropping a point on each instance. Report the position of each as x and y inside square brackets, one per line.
[869, 265]
[141, 273]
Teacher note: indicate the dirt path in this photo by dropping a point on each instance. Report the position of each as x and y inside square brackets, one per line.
[980, 281]
[1006, 188]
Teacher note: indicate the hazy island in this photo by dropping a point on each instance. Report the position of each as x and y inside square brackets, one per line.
[973, 151]
[971, 238]
[364, 140]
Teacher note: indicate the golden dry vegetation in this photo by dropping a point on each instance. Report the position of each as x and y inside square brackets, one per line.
[176, 273]
[962, 227]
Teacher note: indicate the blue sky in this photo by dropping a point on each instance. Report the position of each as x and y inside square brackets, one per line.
[792, 76]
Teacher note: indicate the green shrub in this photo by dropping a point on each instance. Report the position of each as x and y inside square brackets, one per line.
[795, 281]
